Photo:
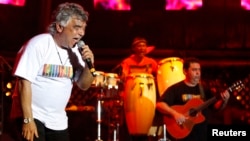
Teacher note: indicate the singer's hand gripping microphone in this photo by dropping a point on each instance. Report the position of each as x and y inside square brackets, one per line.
[80, 44]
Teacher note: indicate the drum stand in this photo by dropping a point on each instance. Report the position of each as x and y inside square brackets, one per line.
[116, 133]
[99, 120]
[113, 119]
[164, 134]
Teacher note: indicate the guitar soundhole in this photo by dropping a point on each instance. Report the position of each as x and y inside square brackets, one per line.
[193, 112]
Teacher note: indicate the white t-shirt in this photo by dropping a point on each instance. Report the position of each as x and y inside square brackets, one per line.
[50, 72]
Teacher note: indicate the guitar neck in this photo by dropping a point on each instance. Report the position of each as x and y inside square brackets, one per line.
[206, 104]
[236, 86]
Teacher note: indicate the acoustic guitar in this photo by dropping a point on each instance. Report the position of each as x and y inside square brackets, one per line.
[192, 110]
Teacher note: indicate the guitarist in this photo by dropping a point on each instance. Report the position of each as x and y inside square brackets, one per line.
[180, 93]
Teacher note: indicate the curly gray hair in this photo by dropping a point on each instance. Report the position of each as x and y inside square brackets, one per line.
[63, 13]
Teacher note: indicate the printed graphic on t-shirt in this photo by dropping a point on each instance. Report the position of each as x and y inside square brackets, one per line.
[50, 70]
[186, 97]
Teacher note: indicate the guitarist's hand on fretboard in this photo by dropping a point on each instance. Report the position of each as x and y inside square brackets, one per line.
[225, 95]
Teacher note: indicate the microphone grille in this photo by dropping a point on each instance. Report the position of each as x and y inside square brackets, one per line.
[80, 44]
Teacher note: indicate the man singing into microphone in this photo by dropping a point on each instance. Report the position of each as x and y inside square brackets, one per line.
[46, 68]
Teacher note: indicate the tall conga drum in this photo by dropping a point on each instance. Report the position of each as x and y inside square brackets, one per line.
[170, 71]
[139, 102]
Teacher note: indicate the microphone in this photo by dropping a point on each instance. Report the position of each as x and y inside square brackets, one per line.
[80, 44]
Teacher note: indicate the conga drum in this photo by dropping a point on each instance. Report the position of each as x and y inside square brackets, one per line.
[112, 86]
[139, 102]
[170, 71]
[99, 79]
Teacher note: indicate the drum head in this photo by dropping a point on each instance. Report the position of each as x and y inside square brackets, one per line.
[99, 79]
[170, 71]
